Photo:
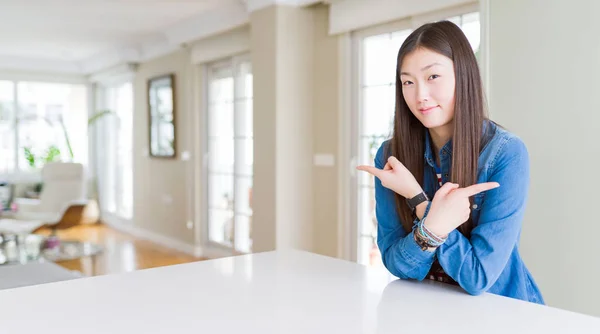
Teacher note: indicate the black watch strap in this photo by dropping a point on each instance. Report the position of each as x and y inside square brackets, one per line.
[418, 199]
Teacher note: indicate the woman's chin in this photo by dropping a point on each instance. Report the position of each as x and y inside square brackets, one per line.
[436, 124]
[432, 124]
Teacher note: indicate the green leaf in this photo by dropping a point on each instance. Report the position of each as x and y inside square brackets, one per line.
[99, 115]
[52, 154]
[29, 156]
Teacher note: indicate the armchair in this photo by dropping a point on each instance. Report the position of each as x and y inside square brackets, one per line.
[62, 195]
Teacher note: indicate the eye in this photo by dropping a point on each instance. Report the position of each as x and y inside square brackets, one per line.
[406, 83]
[433, 76]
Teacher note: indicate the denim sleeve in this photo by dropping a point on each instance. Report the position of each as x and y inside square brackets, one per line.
[477, 263]
[400, 253]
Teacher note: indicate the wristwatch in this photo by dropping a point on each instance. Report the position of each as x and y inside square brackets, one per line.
[418, 199]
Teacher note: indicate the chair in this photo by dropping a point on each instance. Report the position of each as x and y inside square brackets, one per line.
[62, 198]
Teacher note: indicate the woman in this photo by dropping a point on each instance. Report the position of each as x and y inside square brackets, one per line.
[444, 148]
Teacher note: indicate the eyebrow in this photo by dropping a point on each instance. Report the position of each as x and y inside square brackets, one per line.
[423, 69]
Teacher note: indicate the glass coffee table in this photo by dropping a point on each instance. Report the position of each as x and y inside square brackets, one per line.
[25, 248]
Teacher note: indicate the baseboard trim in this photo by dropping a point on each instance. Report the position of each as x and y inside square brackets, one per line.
[215, 252]
[126, 226]
[162, 240]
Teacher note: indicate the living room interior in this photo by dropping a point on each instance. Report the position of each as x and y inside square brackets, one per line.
[142, 134]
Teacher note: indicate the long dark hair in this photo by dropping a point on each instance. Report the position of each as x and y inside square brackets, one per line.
[408, 141]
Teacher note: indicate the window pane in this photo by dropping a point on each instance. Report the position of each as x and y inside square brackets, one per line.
[244, 81]
[368, 147]
[7, 95]
[398, 38]
[367, 218]
[243, 226]
[115, 147]
[244, 156]
[369, 252]
[249, 92]
[7, 147]
[230, 132]
[243, 196]
[28, 111]
[39, 142]
[243, 118]
[220, 226]
[221, 90]
[221, 155]
[107, 133]
[455, 19]
[378, 110]
[52, 118]
[7, 131]
[123, 101]
[380, 59]
[221, 120]
[471, 28]
[375, 125]
[220, 190]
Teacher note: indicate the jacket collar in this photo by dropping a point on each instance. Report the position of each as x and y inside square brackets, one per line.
[429, 156]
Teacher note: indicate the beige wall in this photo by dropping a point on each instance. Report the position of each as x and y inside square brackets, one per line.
[325, 134]
[216, 47]
[265, 90]
[294, 127]
[295, 65]
[282, 57]
[546, 93]
[161, 197]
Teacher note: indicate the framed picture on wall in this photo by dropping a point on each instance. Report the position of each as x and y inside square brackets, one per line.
[161, 116]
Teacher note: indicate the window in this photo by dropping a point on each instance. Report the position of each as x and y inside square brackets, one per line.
[375, 115]
[230, 153]
[115, 149]
[8, 148]
[42, 122]
[470, 25]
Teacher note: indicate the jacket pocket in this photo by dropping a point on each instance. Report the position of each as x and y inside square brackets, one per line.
[476, 207]
[477, 202]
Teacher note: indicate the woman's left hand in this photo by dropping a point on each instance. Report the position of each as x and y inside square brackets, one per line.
[396, 177]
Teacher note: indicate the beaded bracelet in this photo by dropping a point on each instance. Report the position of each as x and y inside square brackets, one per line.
[426, 238]
[431, 235]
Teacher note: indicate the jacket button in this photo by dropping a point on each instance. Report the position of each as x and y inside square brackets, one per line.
[474, 206]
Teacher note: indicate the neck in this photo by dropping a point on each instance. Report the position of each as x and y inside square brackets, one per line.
[440, 136]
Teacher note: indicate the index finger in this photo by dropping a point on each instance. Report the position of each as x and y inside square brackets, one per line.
[477, 188]
[370, 169]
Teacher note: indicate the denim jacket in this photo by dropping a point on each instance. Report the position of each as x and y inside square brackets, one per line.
[489, 260]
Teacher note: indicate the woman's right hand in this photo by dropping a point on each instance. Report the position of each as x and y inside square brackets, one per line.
[450, 206]
[396, 177]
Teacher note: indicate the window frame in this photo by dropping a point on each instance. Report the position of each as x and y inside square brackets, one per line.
[16, 80]
[230, 63]
[102, 131]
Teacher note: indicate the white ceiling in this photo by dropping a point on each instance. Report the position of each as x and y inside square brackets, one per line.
[86, 36]
[65, 34]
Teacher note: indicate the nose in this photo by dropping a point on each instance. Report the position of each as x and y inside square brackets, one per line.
[422, 93]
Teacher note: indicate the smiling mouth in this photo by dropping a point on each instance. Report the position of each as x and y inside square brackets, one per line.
[427, 110]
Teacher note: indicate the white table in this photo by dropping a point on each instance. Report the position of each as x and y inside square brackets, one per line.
[274, 292]
[33, 273]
